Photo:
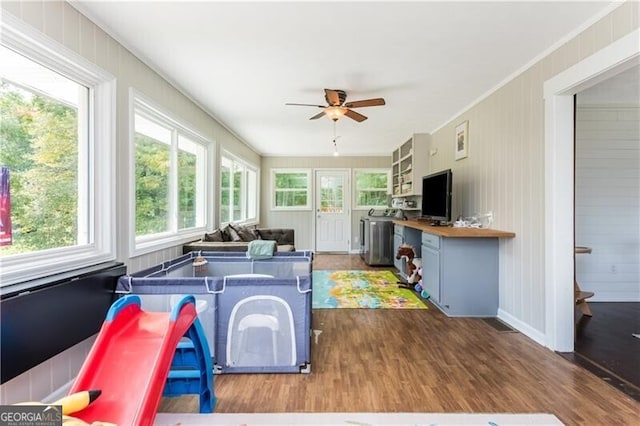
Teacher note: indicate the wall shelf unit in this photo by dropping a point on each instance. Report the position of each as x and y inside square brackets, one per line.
[409, 162]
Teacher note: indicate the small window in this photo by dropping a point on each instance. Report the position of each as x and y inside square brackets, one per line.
[291, 189]
[238, 190]
[371, 188]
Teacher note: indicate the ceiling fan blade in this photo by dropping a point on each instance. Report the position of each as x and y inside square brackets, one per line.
[332, 96]
[355, 115]
[313, 105]
[315, 117]
[365, 103]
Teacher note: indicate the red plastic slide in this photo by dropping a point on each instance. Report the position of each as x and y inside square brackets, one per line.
[130, 361]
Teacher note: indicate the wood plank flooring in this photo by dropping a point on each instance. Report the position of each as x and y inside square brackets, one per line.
[421, 361]
[605, 344]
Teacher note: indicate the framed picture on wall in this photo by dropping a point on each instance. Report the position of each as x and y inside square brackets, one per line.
[462, 140]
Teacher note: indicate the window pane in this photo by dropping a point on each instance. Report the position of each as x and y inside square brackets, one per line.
[237, 192]
[252, 194]
[152, 185]
[291, 198]
[291, 180]
[191, 176]
[331, 194]
[40, 148]
[290, 189]
[225, 191]
[186, 190]
[371, 188]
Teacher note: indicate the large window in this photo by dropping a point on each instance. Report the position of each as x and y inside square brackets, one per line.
[56, 158]
[170, 177]
[291, 189]
[371, 188]
[238, 190]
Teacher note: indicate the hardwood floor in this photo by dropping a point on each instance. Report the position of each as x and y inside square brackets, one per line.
[605, 344]
[421, 361]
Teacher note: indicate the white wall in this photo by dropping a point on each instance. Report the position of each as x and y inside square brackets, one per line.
[607, 211]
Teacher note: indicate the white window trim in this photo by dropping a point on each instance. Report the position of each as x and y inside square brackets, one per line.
[102, 92]
[308, 206]
[249, 220]
[150, 243]
[354, 200]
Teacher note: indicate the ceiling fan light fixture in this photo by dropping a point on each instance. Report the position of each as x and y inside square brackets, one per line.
[335, 112]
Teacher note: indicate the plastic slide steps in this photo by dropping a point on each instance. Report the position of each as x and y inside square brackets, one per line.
[131, 359]
[187, 377]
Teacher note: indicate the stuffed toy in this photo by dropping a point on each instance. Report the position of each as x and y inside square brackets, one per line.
[406, 252]
[415, 266]
[418, 286]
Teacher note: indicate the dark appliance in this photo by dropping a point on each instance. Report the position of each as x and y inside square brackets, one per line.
[436, 197]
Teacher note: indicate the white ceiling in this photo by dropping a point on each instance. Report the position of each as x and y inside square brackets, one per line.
[243, 61]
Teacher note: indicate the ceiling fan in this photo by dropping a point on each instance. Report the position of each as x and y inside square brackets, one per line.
[337, 107]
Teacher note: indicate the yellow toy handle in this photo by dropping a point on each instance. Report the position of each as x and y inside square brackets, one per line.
[77, 401]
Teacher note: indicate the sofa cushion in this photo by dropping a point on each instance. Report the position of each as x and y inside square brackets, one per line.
[215, 246]
[215, 236]
[279, 235]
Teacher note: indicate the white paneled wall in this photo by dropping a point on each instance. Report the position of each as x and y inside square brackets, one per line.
[504, 171]
[608, 201]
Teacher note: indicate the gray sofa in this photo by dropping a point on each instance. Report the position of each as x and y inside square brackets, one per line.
[237, 238]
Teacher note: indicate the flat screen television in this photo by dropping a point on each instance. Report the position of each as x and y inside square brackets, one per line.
[436, 197]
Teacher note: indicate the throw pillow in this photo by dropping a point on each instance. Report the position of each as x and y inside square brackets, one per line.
[225, 233]
[247, 233]
[215, 236]
[233, 234]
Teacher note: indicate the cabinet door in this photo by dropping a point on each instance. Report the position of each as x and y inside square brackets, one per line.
[431, 272]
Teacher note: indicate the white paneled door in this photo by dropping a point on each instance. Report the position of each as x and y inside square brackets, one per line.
[332, 210]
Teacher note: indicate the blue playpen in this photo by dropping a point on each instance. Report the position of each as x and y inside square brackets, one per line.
[256, 314]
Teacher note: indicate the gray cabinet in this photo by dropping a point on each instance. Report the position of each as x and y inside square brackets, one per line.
[461, 274]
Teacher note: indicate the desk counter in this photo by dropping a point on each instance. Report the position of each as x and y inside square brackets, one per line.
[451, 232]
[459, 266]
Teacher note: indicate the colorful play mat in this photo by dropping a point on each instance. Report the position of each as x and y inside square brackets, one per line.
[361, 289]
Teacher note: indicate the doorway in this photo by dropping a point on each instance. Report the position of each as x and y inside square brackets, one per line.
[607, 221]
[332, 212]
[559, 176]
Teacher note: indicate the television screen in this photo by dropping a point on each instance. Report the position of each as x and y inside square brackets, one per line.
[436, 196]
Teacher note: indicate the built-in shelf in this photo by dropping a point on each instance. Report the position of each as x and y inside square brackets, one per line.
[409, 162]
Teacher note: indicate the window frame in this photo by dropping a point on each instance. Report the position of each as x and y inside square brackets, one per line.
[380, 170]
[98, 159]
[309, 189]
[140, 104]
[244, 189]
